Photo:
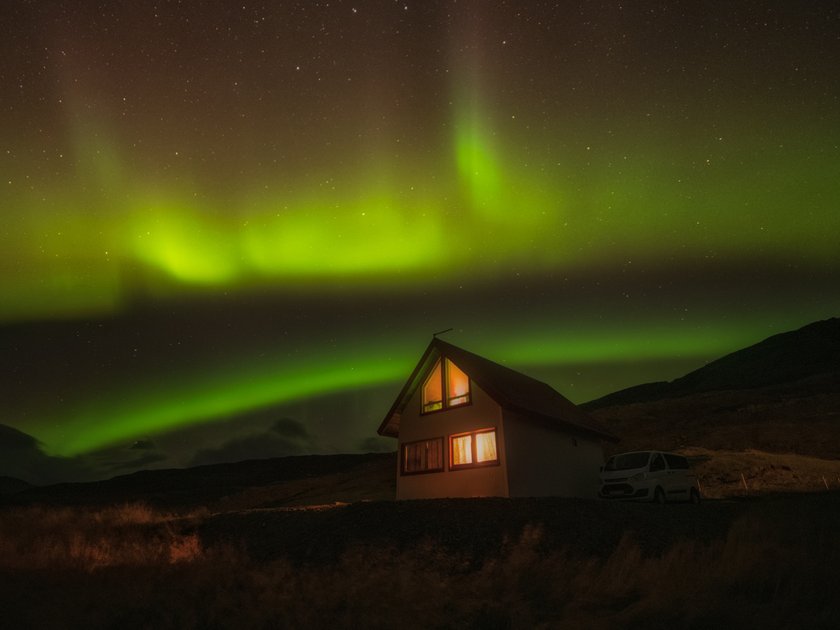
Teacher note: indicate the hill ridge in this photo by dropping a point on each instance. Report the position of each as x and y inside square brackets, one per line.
[786, 357]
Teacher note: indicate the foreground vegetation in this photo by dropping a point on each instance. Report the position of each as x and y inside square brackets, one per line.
[134, 567]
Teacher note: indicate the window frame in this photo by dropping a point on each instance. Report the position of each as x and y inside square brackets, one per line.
[657, 457]
[474, 446]
[404, 459]
[676, 462]
[444, 389]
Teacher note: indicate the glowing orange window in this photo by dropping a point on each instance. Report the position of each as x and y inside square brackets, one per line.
[456, 385]
[477, 448]
[485, 447]
[433, 390]
[461, 450]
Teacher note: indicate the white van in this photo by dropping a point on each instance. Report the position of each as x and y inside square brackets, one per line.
[648, 476]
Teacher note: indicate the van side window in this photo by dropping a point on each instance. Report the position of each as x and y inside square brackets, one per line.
[657, 463]
[676, 462]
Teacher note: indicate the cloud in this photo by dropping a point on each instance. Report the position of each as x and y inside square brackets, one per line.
[283, 438]
[21, 457]
[123, 458]
[116, 466]
[12, 440]
[290, 429]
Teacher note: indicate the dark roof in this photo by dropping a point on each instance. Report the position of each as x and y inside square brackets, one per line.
[509, 388]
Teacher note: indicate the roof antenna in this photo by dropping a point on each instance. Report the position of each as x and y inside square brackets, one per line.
[440, 332]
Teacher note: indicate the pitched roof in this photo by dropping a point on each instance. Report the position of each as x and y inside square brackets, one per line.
[509, 388]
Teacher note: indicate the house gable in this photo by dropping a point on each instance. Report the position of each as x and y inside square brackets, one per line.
[448, 453]
[510, 389]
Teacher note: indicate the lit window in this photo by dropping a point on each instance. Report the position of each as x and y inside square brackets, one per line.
[485, 447]
[462, 450]
[473, 449]
[423, 456]
[433, 390]
[457, 387]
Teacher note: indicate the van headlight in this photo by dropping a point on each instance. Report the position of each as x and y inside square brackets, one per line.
[637, 477]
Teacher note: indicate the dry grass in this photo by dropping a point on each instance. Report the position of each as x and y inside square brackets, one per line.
[726, 473]
[87, 540]
[133, 568]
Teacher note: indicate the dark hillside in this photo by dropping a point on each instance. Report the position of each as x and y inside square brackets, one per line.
[10, 485]
[276, 481]
[810, 351]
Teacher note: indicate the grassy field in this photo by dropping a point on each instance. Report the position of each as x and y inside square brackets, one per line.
[482, 563]
[318, 542]
[726, 473]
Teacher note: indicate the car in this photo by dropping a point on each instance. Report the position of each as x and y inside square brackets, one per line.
[649, 476]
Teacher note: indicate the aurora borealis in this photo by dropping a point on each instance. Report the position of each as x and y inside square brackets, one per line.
[217, 210]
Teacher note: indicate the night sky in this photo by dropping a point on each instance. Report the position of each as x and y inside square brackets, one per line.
[230, 228]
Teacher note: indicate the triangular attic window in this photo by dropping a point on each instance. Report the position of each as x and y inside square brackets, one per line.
[453, 380]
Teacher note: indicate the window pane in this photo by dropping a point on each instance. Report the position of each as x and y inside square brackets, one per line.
[458, 385]
[485, 447]
[675, 462]
[422, 456]
[411, 459]
[462, 450]
[433, 390]
[657, 463]
[434, 450]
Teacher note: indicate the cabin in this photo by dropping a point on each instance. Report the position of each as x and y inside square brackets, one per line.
[469, 427]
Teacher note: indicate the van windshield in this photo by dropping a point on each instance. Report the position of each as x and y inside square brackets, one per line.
[627, 461]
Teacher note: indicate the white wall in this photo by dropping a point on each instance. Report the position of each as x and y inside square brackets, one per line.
[546, 462]
[483, 413]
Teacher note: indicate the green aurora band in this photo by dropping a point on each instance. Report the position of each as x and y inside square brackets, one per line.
[73, 253]
[174, 401]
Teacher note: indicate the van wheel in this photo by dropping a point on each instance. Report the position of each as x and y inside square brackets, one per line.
[694, 496]
[659, 496]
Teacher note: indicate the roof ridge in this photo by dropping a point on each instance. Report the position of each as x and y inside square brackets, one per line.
[510, 389]
[490, 361]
